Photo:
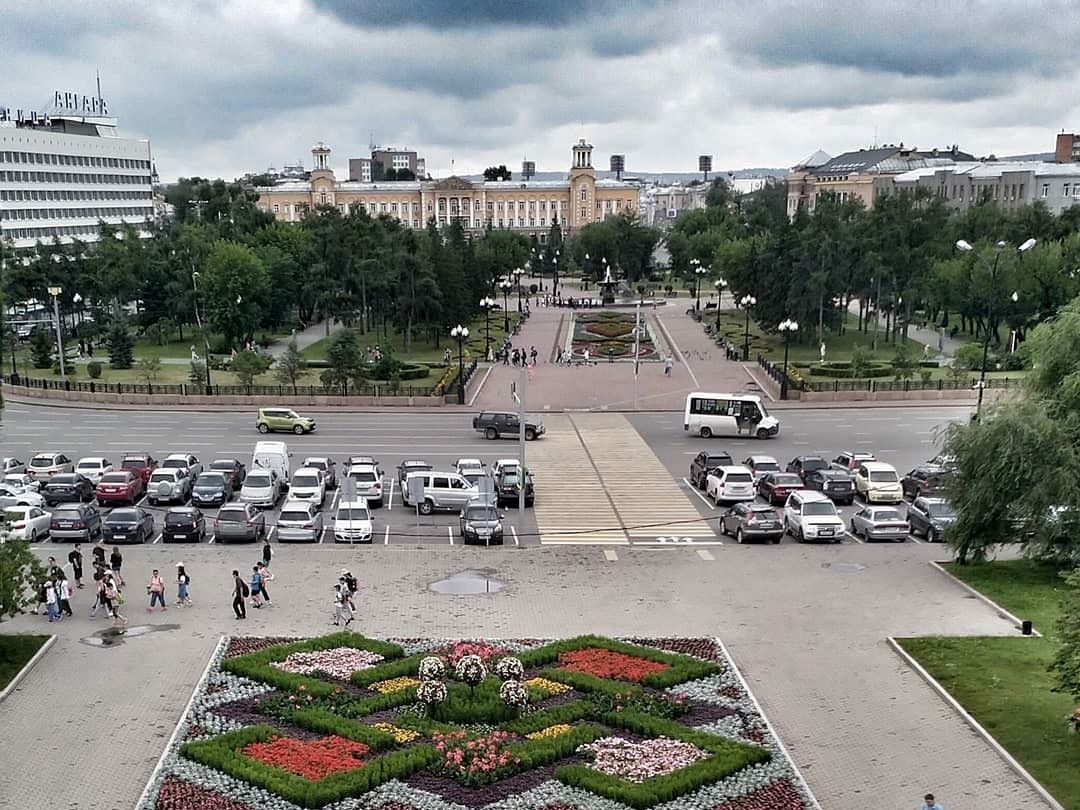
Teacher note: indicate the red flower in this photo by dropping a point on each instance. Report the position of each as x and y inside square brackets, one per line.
[608, 664]
[311, 759]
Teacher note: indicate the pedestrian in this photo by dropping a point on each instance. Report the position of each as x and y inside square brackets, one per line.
[99, 554]
[611, 354]
[240, 591]
[558, 356]
[586, 357]
[267, 552]
[116, 561]
[112, 601]
[256, 587]
[42, 599]
[75, 558]
[668, 364]
[264, 577]
[930, 804]
[63, 594]
[155, 589]
[55, 571]
[506, 355]
[52, 601]
[99, 592]
[339, 606]
[533, 353]
[347, 598]
[182, 582]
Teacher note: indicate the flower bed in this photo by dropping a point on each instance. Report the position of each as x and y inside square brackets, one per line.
[580, 724]
[610, 333]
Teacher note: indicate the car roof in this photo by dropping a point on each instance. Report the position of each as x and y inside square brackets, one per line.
[325, 459]
[829, 473]
[470, 461]
[734, 468]
[763, 459]
[931, 468]
[858, 454]
[811, 495]
[506, 462]
[809, 456]
[878, 465]
[297, 504]
[184, 456]
[353, 504]
[46, 455]
[931, 501]
[92, 458]
[363, 467]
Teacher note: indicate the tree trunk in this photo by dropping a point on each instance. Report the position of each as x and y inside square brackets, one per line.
[821, 317]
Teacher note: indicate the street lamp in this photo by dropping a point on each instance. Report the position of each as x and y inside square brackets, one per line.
[76, 300]
[698, 271]
[460, 333]
[787, 328]
[505, 286]
[55, 293]
[198, 321]
[747, 302]
[555, 273]
[720, 284]
[518, 273]
[487, 303]
[966, 247]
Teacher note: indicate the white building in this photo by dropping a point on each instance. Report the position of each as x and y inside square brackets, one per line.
[1009, 184]
[64, 172]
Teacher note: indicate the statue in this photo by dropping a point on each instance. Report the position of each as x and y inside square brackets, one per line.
[607, 287]
[821, 351]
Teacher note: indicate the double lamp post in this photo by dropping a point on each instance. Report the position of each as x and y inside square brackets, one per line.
[460, 334]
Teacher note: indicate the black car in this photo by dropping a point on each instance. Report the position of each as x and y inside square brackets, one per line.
[67, 488]
[496, 424]
[801, 465]
[927, 479]
[705, 462]
[838, 485]
[183, 524]
[775, 487]
[128, 525]
[411, 465]
[233, 470]
[752, 521]
[211, 489]
[481, 524]
[508, 487]
[930, 517]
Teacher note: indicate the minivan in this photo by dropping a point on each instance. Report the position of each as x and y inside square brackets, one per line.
[272, 456]
[442, 490]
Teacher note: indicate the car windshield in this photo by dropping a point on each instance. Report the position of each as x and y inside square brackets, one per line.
[305, 480]
[61, 481]
[353, 513]
[123, 516]
[211, 480]
[132, 464]
[223, 466]
[481, 513]
[718, 461]
[298, 515]
[162, 475]
[766, 466]
[362, 475]
[940, 510]
[739, 478]
[41, 461]
[89, 465]
[810, 464]
[114, 478]
[232, 514]
[883, 477]
[886, 514]
[178, 518]
[67, 514]
[819, 509]
[318, 464]
[789, 480]
[258, 479]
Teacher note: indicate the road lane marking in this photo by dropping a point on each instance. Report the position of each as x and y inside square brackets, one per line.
[610, 555]
[386, 536]
[695, 491]
[513, 531]
[450, 534]
[705, 554]
[213, 537]
[854, 537]
[157, 540]
[390, 501]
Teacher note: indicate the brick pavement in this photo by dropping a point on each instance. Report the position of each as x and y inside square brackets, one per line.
[86, 728]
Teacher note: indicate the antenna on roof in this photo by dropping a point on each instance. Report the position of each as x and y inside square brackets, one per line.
[875, 137]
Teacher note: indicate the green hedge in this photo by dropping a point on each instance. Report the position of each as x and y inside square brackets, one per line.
[681, 668]
[843, 371]
[542, 718]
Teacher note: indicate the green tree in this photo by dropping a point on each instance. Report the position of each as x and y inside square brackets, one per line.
[236, 285]
[499, 172]
[197, 373]
[247, 365]
[41, 348]
[149, 368]
[1066, 662]
[903, 363]
[860, 360]
[290, 366]
[21, 574]
[121, 346]
[344, 359]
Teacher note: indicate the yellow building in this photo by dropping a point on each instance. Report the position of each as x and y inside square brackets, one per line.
[529, 206]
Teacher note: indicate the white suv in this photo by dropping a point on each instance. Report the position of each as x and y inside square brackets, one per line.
[352, 522]
[728, 484]
[307, 484]
[877, 482]
[368, 478]
[809, 515]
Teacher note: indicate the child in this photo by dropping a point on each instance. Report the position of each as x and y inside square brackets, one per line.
[256, 587]
[339, 606]
[182, 582]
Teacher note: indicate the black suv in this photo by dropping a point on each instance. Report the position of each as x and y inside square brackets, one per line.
[233, 470]
[481, 524]
[508, 487]
[496, 424]
[704, 463]
[838, 485]
[183, 523]
[803, 465]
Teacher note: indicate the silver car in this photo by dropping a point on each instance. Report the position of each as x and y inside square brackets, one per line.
[879, 523]
[239, 522]
[368, 478]
[172, 485]
[262, 487]
[300, 521]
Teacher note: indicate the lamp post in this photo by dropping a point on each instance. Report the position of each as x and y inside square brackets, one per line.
[198, 321]
[966, 247]
[518, 273]
[720, 284]
[55, 293]
[747, 302]
[487, 303]
[460, 333]
[698, 271]
[555, 273]
[787, 328]
[505, 286]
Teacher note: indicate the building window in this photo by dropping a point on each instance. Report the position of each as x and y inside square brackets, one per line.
[1076, 190]
[584, 194]
[393, 208]
[1045, 190]
[275, 208]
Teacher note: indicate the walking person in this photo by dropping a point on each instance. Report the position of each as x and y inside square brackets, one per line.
[63, 594]
[42, 599]
[99, 592]
[75, 558]
[116, 561]
[182, 582]
[264, 576]
[930, 804]
[240, 590]
[156, 591]
[586, 357]
[339, 606]
[112, 602]
[55, 571]
[52, 601]
[98, 553]
[267, 552]
[256, 587]
[533, 353]
[668, 364]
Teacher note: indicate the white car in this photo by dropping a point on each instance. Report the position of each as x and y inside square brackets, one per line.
[877, 482]
[22, 482]
[9, 465]
[300, 520]
[44, 466]
[27, 522]
[465, 464]
[93, 467]
[502, 464]
[352, 522]
[307, 484]
[262, 488]
[730, 484]
[368, 480]
[809, 515]
[23, 497]
[759, 465]
[182, 461]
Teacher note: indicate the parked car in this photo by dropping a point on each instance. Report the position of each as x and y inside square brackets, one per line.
[262, 488]
[27, 522]
[67, 488]
[233, 469]
[327, 466]
[499, 424]
[11, 466]
[811, 516]
[300, 521]
[128, 525]
[44, 466]
[183, 524]
[878, 482]
[930, 518]
[759, 465]
[481, 524]
[211, 489]
[283, 419]
[307, 484]
[239, 521]
[368, 480]
[411, 465]
[835, 482]
[508, 486]
[850, 460]
[441, 490]
[462, 465]
[168, 485]
[727, 484]
[362, 461]
[752, 521]
[142, 464]
[705, 462]
[93, 468]
[801, 465]
[21, 482]
[182, 461]
[352, 522]
[500, 465]
[10, 496]
[879, 523]
[926, 479]
[947, 460]
[75, 521]
[120, 486]
[775, 487]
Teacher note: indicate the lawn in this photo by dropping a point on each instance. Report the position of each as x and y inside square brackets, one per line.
[1004, 682]
[15, 651]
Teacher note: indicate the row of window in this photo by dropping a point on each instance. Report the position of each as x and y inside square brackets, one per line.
[1065, 189]
[49, 231]
[44, 195]
[74, 177]
[75, 213]
[42, 159]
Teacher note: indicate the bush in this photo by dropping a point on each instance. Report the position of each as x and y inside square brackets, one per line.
[93, 368]
[845, 371]
[969, 356]
[41, 349]
[1011, 362]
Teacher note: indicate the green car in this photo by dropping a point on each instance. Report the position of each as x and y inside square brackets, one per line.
[283, 419]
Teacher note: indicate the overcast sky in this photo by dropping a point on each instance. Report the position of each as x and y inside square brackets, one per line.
[223, 87]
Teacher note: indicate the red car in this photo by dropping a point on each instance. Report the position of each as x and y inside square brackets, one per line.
[774, 487]
[124, 486]
[141, 464]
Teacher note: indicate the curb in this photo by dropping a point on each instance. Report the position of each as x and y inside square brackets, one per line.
[1002, 612]
[974, 724]
[22, 673]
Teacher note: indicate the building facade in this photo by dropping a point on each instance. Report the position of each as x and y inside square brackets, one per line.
[530, 207]
[1067, 148]
[64, 173]
[1009, 184]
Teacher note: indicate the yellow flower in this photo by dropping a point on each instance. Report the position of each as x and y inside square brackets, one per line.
[400, 735]
[394, 685]
[550, 731]
[544, 685]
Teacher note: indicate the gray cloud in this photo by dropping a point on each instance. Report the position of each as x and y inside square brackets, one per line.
[456, 15]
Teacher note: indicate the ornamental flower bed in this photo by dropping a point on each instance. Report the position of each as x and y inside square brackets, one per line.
[580, 724]
[611, 331]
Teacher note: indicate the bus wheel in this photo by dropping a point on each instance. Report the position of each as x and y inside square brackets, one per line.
[762, 433]
[706, 433]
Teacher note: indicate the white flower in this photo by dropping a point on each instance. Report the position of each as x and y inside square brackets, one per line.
[513, 693]
[470, 669]
[432, 669]
[431, 692]
[510, 669]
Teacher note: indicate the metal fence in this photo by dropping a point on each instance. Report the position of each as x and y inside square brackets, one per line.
[905, 385]
[189, 389]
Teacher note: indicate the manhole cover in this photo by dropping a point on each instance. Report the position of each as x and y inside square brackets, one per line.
[844, 568]
[115, 636]
[468, 582]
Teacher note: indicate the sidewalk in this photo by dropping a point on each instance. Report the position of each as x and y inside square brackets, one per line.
[935, 338]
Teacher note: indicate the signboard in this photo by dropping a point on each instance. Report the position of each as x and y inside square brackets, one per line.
[415, 489]
[348, 489]
[64, 103]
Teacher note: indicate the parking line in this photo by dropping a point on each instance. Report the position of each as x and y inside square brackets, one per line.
[450, 534]
[390, 502]
[333, 503]
[695, 491]
[854, 537]
[513, 531]
[270, 534]
[386, 536]
[157, 540]
[213, 537]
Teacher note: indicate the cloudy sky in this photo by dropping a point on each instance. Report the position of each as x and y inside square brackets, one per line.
[222, 87]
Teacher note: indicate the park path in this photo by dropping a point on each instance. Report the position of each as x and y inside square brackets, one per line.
[935, 338]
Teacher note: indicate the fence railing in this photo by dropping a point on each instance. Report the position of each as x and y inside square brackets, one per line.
[871, 385]
[193, 390]
[776, 373]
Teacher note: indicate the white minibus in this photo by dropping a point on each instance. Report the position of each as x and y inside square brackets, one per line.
[708, 415]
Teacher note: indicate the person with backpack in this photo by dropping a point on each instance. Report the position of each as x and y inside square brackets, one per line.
[340, 610]
[112, 602]
[63, 595]
[240, 592]
[349, 581]
[256, 587]
[99, 593]
[51, 602]
[98, 553]
[182, 582]
[155, 589]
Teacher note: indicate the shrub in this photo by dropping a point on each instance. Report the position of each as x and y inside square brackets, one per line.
[1011, 362]
[93, 368]
[41, 349]
[845, 371]
[969, 356]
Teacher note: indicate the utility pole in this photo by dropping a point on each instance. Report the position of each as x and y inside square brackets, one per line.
[637, 344]
[520, 395]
